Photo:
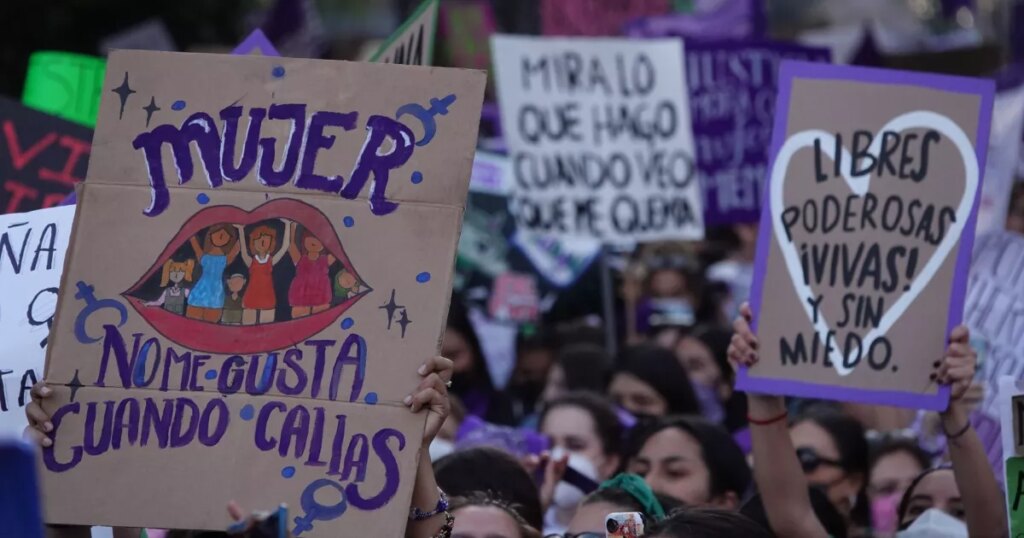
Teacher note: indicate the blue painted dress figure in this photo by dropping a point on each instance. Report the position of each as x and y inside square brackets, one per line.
[219, 249]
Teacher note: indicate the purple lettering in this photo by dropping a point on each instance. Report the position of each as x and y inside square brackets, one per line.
[317, 140]
[198, 128]
[291, 358]
[230, 116]
[129, 407]
[112, 342]
[94, 446]
[263, 442]
[207, 437]
[336, 446]
[237, 375]
[318, 366]
[380, 129]
[268, 146]
[353, 351]
[197, 363]
[181, 437]
[316, 442]
[296, 426]
[266, 380]
[391, 472]
[49, 453]
[174, 358]
[157, 421]
[356, 458]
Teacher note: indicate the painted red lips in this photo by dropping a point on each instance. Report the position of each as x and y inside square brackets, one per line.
[244, 339]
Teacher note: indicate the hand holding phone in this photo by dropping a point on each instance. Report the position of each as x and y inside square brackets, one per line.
[624, 525]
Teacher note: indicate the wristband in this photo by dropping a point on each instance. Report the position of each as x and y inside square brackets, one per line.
[415, 514]
[768, 421]
[959, 433]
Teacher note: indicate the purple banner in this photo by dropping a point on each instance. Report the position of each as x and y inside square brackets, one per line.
[709, 19]
[732, 103]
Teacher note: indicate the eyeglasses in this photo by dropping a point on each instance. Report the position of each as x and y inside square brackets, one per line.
[810, 460]
[580, 535]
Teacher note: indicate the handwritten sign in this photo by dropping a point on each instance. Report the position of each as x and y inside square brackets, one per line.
[259, 266]
[413, 42]
[42, 157]
[64, 84]
[732, 105]
[994, 309]
[1011, 414]
[866, 232]
[599, 137]
[32, 247]
[595, 17]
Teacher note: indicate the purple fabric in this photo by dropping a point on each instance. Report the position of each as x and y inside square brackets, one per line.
[516, 441]
[732, 101]
[712, 20]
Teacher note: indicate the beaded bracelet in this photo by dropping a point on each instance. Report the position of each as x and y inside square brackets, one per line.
[446, 530]
[416, 514]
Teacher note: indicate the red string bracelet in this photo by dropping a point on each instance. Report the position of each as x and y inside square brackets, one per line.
[768, 421]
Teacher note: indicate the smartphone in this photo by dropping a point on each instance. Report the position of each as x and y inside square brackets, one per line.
[20, 512]
[624, 525]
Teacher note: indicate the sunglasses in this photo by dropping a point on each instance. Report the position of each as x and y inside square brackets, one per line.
[810, 460]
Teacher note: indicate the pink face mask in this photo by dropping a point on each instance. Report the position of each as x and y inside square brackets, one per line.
[883, 512]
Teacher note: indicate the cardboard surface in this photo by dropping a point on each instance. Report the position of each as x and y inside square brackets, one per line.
[852, 299]
[32, 247]
[413, 42]
[606, 153]
[732, 88]
[252, 353]
[41, 157]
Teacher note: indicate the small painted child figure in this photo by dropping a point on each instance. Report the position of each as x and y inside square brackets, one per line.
[173, 298]
[232, 314]
[346, 286]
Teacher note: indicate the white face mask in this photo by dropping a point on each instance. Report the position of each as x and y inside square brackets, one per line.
[567, 496]
[440, 448]
[935, 523]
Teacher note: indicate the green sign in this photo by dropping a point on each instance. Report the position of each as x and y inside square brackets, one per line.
[1015, 494]
[65, 84]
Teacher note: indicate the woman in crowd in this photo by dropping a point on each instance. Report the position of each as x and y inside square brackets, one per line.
[494, 471]
[895, 463]
[480, 515]
[470, 381]
[783, 484]
[649, 382]
[702, 352]
[578, 367]
[706, 523]
[624, 493]
[691, 460]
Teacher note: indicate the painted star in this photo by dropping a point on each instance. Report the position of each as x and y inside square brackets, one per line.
[390, 307]
[404, 321]
[75, 384]
[150, 109]
[123, 91]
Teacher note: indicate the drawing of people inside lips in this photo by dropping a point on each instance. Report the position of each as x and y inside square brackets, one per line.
[242, 299]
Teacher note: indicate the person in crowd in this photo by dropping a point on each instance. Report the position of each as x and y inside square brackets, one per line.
[895, 463]
[691, 460]
[737, 269]
[578, 367]
[648, 381]
[624, 493]
[833, 453]
[479, 515]
[783, 483]
[702, 352]
[471, 381]
[937, 489]
[706, 523]
[585, 434]
[830, 518]
[430, 516]
[661, 290]
[494, 471]
[536, 349]
[1015, 213]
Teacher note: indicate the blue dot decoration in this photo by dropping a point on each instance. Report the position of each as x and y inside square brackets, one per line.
[178, 105]
[247, 412]
[288, 472]
[348, 222]
[278, 71]
[202, 198]
[211, 374]
[423, 277]
[347, 323]
[417, 177]
[370, 398]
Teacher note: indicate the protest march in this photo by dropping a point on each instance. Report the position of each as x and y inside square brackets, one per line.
[493, 269]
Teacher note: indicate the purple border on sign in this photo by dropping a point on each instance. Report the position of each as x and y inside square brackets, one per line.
[790, 70]
[257, 40]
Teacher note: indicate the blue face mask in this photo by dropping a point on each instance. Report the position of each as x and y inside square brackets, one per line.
[710, 406]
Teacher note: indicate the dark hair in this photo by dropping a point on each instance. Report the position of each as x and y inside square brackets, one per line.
[602, 412]
[717, 341]
[479, 498]
[659, 368]
[828, 516]
[624, 499]
[851, 441]
[478, 378]
[585, 366]
[894, 445]
[707, 523]
[494, 472]
[905, 500]
[727, 466]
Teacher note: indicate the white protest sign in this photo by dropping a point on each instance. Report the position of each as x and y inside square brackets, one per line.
[413, 42]
[1004, 152]
[994, 309]
[599, 136]
[32, 247]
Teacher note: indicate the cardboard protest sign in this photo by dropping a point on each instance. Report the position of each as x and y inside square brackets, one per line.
[598, 132]
[732, 103]
[994, 309]
[41, 157]
[1011, 414]
[256, 43]
[247, 300]
[514, 298]
[32, 247]
[413, 42]
[65, 84]
[866, 232]
[595, 17]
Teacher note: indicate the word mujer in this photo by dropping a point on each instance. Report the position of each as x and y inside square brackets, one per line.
[387, 146]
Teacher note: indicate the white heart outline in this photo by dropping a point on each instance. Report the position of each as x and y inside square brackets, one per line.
[859, 186]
